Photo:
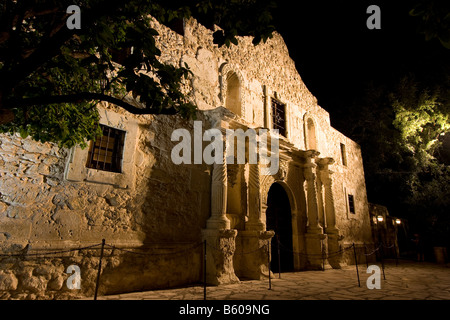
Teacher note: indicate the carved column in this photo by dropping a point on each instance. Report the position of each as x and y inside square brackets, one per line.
[254, 200]
[255, 238]
[220, 240]
[330, 214]
[314, 234]
[320, 203]
[311, 193]
[218, 219]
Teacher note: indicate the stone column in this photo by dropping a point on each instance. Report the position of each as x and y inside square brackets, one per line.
[220, 249]
[320, 203]
[309, 171]
[254, 238]
[255, 254]
[220, 240]
[330, 214]
[314, 232]
[254, 200]
[218, 219]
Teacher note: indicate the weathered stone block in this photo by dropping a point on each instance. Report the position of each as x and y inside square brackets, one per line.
[34, 284]
[8, 282]
[220, 248]
[56, 283]
[17, 229]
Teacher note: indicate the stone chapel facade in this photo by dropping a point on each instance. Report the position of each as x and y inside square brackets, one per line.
[138, 200]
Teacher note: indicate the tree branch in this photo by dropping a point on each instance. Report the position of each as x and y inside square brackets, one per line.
[48, 48]
[84, 96]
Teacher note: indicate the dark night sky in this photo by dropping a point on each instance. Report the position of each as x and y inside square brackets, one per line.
[336, 54]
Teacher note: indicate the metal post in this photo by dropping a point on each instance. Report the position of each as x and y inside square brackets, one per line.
[365, 254]
[99, 269]
[382, 260]
[268, 263]
[323, 256]
[396, 255]
[204, 270]
[279, 257]
[356, 263]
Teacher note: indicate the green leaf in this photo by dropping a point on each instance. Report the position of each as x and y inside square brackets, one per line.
[23, 133]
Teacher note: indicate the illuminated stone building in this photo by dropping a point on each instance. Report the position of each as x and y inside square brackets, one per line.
[126, 189]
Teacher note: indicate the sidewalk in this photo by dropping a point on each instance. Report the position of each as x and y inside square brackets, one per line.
[407, 281]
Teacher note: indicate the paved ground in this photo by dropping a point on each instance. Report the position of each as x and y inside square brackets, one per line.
[407, 281]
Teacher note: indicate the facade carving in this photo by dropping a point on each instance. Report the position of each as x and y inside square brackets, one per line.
[50, 200]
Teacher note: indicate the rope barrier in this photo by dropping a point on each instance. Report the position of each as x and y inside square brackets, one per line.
[236, 253]
[368, 254]
[43, 254]
[315, 255]
[392, 246]
[194, 246]
[265, 248]
[23, 254]
[154, 254]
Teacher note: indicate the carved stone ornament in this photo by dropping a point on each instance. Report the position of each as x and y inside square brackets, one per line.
[282, 171]
[233, 170]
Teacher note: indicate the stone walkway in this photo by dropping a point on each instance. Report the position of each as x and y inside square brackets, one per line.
[407, 281]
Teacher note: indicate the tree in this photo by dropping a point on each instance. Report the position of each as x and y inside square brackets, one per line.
[434, 16]
[51, 77]
[399, 129]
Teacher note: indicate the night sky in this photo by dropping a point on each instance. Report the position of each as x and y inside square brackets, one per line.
[337, 55]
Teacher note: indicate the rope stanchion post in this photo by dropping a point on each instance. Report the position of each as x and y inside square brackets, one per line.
[356, 264]
[279, 257]
[365, 254]
[99, 269]
[396, 255]
[323, 256]
[204, 270]
[382, 260]
[268, 264]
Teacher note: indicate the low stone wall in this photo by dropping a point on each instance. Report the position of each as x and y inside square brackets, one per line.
[43, 275]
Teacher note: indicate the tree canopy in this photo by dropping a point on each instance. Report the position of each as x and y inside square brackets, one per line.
[400, 129]
[434, 17]
[51, 77]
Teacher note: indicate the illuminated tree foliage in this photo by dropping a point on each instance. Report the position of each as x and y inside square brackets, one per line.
[434, 18]
[51, 77]
[399, 129]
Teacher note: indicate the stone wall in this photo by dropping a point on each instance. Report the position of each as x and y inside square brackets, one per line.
[42, 211]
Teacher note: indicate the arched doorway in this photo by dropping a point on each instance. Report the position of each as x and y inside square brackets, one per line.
[279, 219]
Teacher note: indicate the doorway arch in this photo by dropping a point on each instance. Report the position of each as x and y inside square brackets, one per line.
[279, 219]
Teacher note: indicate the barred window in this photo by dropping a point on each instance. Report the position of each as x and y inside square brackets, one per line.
[106, 152]
[351, 204]
[279, 116]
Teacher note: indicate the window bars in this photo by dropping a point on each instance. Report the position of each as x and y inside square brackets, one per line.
[351, 204]
[279, 117]
[106, 152]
